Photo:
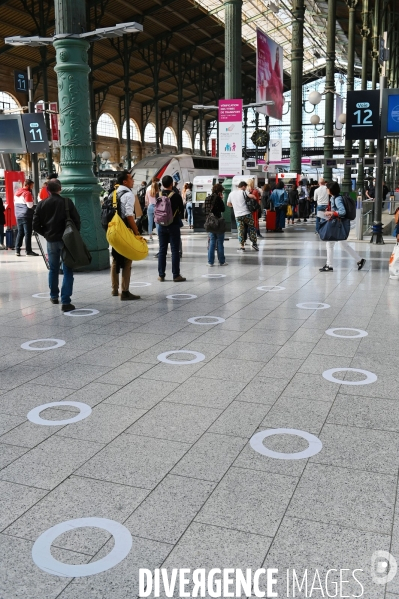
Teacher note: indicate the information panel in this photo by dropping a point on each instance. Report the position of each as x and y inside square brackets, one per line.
[35, 133]
[21, 81]
[230, 138]
[11, 134]
[363, 114]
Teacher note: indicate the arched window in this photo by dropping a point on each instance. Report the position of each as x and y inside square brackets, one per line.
[134, 131]
[186, 137]
[169, 137]
[197, 142]
[106, 126]
[150, 133]
[212, 133]
[7, 102]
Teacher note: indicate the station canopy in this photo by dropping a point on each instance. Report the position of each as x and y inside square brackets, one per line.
[188, 34]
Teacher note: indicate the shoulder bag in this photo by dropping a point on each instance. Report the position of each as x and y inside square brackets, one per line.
[252, 204]
[333, 230]
[74, 253]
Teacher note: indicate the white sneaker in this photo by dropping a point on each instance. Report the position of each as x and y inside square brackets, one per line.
[224, 264]
[209, 264]
[2, 247]
[241, 250]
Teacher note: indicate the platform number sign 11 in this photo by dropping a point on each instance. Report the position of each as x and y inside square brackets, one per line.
[363, 115]
[35, 133]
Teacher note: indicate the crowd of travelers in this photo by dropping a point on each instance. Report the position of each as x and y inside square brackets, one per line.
[320, 200]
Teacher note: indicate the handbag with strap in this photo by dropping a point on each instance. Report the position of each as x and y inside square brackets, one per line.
[333, 230]
[251, 203]
[74, 253]
[213, 224]
[289, 211]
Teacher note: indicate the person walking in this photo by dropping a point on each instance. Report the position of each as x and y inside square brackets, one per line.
[141, 195]
[265, 198]
[236, 200]
[2, 223]
[150, 200]
[214, 203]
[126, 200]
[279, 199]
[338, 211]
[23, 205]
[321, 198]
[49, 221]
[303, 201]
[170, 233]
[293, 202]
[44, 192]
[189, 205]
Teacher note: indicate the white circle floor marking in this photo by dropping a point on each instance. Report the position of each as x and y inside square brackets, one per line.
[164, 357]
[179, 296]
[315, 445]
[45, 295]
[27, 344]
[312, 306]
[34, 417]
[332, 333]
[370, 376]
[270, 288]
[213, 276]
[74, 312]
[41, 550]
[139, 284]
[217, 320]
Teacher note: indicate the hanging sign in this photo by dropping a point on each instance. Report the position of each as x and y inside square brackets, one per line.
[53, 107]
[230, 138]
[363, 114]
[213, 141]
[35, 133]
[339, 108]
[275, 150]
[269, 75]
[21, 81]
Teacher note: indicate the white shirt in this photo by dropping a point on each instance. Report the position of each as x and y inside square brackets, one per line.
[321, 195]
[127, 201]
[238, 200]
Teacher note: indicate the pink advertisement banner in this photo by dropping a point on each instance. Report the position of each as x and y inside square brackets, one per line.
[269, 75]
[230, 111]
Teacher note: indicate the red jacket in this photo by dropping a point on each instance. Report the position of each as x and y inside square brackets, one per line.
[23, 203]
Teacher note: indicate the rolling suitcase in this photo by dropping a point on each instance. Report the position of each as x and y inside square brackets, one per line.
[43, 253]
[10, 239]
[270, 220]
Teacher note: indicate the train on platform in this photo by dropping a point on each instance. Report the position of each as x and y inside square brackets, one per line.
[181, 167]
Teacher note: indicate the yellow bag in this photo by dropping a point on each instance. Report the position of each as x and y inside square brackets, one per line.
[289, 211]
[124, 241]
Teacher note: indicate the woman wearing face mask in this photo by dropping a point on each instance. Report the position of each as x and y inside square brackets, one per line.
[337, 210]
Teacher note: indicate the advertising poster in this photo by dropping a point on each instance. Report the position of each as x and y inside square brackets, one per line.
[276, 150]
[339, 109]
[230, 138]
[269, 75]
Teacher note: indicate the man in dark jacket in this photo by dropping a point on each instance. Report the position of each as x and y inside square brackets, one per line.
[49, 221]
[171, 233]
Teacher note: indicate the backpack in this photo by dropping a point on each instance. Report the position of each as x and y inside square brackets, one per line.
[141, 196]
[163, 214]
[109, 208]
[303, 195]
[350, 206]
[252, 204]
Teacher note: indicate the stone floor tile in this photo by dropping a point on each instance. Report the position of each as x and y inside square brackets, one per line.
[254, 504]
[16, 376]
[302, 545]
[299, 413]
[172, 373]
[263, 390]
[285, 324]
[124, 374]
[9, 453]
[295, 349]
[28, 434]
[310, 386]
[240, 419]
[177, 422]
[134, 460]
[260, 352]
[8, 422]
[74, 377]
[20, 577]
[141, 393]
[165, 514]
[231, 369]
[318, 363]
[15, 500]
[307, 335]
[21, 400]
[77, 497]
[268, 337]
[367, 412]
[281, 368]
[337, 347]
[236, 324]
[210, 457]
[50, 463]
[360, 448]
[346, 497]
[204, 393]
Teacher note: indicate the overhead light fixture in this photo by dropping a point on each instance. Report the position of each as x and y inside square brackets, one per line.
[98, 34]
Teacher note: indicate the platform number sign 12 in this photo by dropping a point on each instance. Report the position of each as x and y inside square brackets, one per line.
[35, 133]
[363, 115]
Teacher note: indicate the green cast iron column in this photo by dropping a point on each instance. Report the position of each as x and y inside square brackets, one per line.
[232, 36]
[298, 13]
[78, 180]
[374, 64]
[365, 33]
[346, 181]
[330, 88]
[127, 101]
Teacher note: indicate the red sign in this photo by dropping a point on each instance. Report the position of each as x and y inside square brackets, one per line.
[55, 134]
[13, 181]
[213, 140]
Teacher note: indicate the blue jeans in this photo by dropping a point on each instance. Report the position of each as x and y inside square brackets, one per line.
[280, 217]
[150, 216]
[189, 208]
[24, 230]
[54, 255]
[170, 235]
[213, 238]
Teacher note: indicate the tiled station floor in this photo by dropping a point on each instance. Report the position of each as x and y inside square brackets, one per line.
[167, 449]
